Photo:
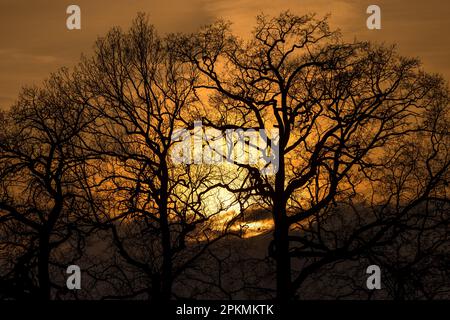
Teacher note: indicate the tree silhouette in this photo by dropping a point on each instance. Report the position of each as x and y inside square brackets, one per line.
[142, 93]
[353, 171]
[42, 202]
[338, 107]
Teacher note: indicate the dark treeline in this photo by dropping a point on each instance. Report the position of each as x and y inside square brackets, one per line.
[87, 177]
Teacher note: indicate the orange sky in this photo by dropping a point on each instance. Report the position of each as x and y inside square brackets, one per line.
[35, 41]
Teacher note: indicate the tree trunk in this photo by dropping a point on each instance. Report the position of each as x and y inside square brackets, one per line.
[166, 276]
[283, 261]
[281, 236]
[43, 262]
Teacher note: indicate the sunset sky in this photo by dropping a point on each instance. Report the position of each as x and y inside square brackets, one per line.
[35, 41]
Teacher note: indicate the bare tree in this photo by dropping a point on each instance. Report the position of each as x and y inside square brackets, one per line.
[396, 215]
[354, 171]
[159, 218]
[399, 222]
[338, 107]
[42, 198]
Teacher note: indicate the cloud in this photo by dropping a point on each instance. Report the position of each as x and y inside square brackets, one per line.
[35, 41]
